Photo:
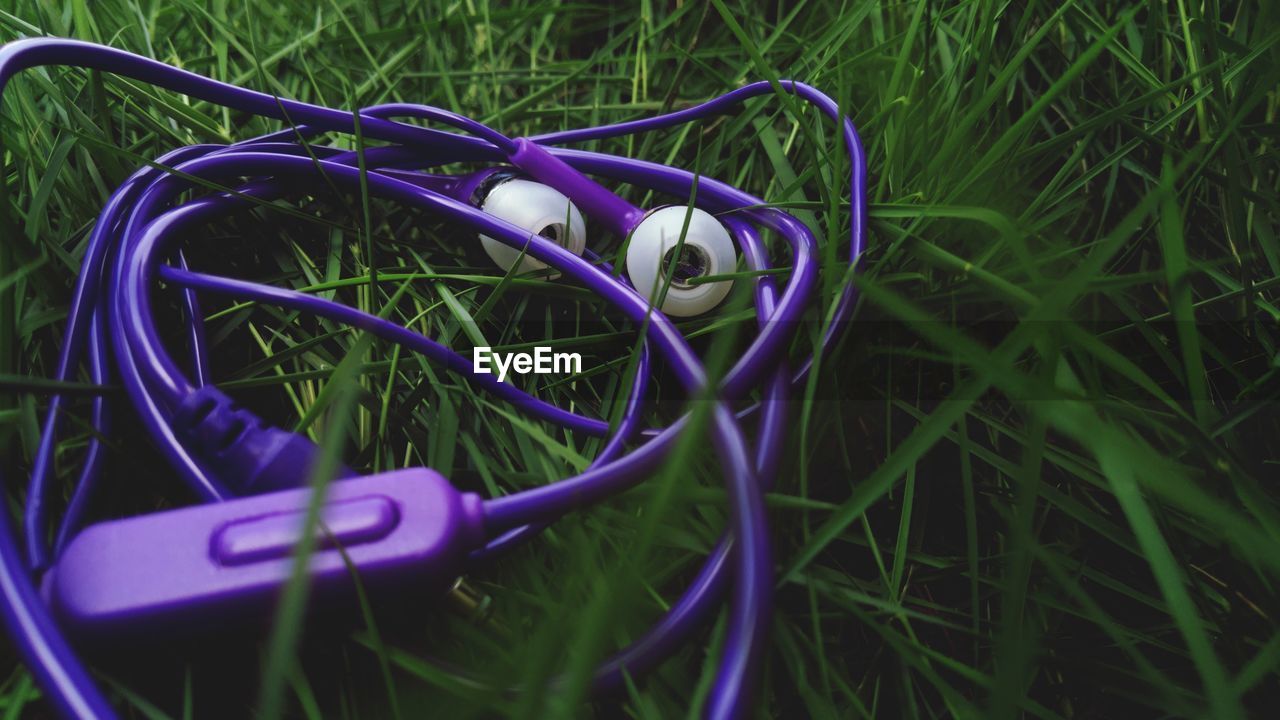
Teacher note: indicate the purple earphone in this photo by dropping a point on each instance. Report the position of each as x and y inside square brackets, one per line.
[221, 559]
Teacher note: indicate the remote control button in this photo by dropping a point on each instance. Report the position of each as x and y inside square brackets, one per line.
[345, 523]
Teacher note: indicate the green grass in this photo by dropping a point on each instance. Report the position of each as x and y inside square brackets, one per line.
[1037, 478]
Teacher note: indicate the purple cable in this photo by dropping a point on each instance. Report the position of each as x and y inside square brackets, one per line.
[56, 668]
[752, 584]
[129, 245]
[81, 317]
[164, 373]
[702, 596]
[746, 630]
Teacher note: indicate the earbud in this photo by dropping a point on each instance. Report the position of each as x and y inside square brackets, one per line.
[707, 250]
[539, 209]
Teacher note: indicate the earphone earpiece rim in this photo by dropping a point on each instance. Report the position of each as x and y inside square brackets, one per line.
[504, 255]
[644, 261]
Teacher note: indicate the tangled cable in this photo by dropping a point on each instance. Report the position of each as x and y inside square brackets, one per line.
[137, 239]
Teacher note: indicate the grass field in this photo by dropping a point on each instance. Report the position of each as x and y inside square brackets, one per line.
[1036, 479]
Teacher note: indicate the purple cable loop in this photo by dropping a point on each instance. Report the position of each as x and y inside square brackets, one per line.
[747, 618]
[752, 586]
[172, 274]
[155, 383]
[858, 207]
[82, 308]
[82, 316]
[711, 189]
[133, 291]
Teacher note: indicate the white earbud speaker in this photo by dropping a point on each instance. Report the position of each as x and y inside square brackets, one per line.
[707, 250]
[539, 209]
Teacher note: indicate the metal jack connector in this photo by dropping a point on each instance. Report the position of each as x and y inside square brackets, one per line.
[474, 605]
